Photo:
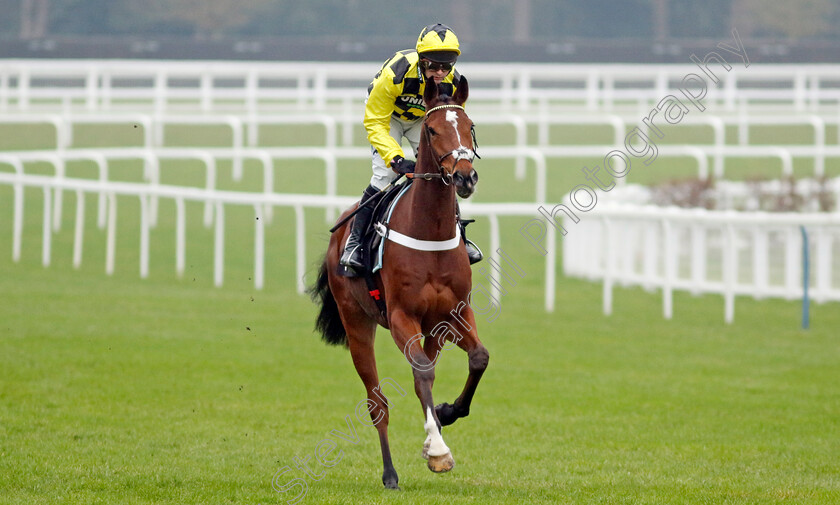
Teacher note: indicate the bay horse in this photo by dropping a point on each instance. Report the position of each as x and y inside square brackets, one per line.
[426, 292]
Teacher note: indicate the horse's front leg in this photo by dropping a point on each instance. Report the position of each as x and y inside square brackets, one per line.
[407, 335]
[478, 357]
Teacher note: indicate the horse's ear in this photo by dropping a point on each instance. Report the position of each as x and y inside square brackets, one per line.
[462, 92]
[430, 94]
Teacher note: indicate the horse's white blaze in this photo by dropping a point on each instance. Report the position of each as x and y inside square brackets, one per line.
[452, 117]
[462, 152]
[437, 447]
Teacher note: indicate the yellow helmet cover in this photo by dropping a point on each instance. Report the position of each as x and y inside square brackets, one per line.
[438, 43]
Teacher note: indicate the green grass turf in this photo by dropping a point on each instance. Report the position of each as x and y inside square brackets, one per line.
[167, 390]
[162, 391]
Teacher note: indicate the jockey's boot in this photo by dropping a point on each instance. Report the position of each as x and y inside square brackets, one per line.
[473, 252]
[352, 256]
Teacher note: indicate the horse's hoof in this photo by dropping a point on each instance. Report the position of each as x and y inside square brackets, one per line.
[390, 480]
[440, 464]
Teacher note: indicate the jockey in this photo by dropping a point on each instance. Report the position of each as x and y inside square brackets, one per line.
[395, 109]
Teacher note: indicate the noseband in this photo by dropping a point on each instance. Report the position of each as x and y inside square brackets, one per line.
[462, 153]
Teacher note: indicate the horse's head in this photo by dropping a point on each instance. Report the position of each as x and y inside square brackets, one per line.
[449, 132]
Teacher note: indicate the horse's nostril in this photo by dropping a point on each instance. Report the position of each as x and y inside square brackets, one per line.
[474, 176]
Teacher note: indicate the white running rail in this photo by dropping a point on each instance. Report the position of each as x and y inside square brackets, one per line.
[250, 86]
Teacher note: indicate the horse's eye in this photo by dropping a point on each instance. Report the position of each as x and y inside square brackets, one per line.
[432, 131]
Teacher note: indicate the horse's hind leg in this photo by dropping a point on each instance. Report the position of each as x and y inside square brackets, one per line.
[478, 359]
[361, 330]
[362, 351]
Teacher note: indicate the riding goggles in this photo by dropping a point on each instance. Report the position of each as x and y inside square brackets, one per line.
[434, 66]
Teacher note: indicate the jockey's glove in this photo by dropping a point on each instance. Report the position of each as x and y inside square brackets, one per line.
[402, 166]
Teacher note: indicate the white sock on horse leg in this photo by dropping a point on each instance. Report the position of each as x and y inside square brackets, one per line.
[437, 447]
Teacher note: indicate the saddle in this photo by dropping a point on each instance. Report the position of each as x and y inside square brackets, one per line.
[372, 241]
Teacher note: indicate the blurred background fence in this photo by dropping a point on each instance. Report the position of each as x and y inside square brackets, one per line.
[262, 87]
[622, 242]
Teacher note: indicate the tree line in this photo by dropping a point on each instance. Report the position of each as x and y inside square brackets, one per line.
[474, 20]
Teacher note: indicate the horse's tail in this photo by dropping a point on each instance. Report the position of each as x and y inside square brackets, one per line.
[328, 322]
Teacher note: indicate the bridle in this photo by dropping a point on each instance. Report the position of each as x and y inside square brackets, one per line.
[461, 153]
